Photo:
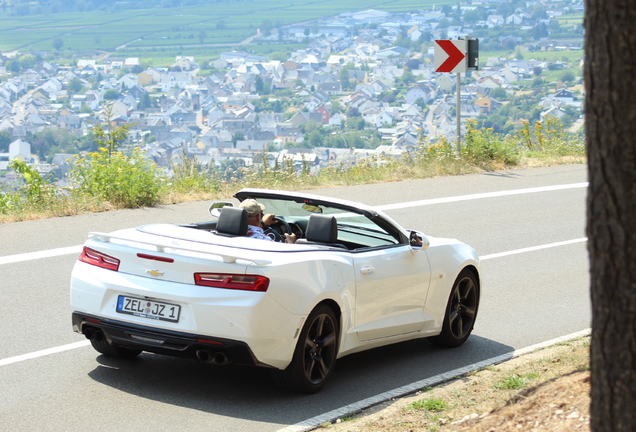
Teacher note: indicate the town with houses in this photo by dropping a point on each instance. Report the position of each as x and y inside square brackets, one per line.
[215, 117]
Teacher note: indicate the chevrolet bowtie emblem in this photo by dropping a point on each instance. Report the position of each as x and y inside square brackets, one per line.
[154, 273]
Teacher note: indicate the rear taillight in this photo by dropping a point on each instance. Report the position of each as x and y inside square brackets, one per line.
[91, 256]
[232, 281]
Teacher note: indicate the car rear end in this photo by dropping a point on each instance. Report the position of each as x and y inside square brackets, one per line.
[165, 294]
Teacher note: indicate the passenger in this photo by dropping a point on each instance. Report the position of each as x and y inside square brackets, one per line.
[256, 221]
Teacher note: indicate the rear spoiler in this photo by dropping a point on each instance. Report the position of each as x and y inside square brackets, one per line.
[229, 257]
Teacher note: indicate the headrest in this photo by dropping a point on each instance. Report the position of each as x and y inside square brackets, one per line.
[322, 229]
[232, 221]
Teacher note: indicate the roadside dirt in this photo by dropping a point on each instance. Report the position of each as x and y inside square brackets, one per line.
[558, 405]
[547, 390]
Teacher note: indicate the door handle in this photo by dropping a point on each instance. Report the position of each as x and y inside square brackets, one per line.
[367, 270]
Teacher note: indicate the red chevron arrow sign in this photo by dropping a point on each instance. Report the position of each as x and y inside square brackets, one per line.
[450, 56]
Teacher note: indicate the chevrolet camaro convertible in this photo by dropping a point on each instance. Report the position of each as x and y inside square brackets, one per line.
[353, 281]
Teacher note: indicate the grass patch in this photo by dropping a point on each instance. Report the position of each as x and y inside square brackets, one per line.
[475, 395]
[513, 382]
[432, 405]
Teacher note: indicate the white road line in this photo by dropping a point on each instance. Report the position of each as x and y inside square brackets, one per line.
[44, 352]
[356, 407]
[481, 196]
[532, 249]
[9, 259]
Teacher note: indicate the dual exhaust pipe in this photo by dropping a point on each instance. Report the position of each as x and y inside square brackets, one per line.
[218, 358]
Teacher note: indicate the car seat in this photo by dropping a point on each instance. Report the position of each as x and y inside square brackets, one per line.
[322, 230]
[232, 222]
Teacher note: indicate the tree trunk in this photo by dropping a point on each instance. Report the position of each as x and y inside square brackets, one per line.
[610, 110]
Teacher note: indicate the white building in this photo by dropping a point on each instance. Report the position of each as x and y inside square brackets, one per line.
[18, 149]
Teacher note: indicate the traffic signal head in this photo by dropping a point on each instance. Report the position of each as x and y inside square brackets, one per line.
[472, 56]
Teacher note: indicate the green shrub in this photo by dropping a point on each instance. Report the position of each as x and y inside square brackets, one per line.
[110, 176]
[549, 138]
[485, 146]
[123, 181]
[32, 195]
[441, 149]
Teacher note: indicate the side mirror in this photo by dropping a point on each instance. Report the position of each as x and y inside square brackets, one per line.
[216, 206]
[418, 241]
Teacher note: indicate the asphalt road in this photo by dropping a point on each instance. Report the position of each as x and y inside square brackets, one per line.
[527, 297]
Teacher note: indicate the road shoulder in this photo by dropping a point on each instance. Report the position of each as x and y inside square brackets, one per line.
[537, 390]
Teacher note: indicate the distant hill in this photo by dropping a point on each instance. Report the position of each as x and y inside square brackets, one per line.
[108, 24]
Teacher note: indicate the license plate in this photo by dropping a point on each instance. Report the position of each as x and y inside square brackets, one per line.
[148, 308]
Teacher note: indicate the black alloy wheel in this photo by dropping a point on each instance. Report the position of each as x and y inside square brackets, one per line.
[315, 354]
[461, 311]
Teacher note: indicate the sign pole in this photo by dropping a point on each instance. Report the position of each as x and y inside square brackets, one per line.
[459, 129]
[456, 57]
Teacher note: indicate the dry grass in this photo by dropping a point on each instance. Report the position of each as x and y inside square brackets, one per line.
[546, 161]
[558, 405]
[338, 179]
[547, 390]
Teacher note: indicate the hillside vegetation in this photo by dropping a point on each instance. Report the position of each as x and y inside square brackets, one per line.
[109, 179]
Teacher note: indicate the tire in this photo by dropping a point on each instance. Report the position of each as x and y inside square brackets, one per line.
[101, 345]
[461, 311]
[315, 354]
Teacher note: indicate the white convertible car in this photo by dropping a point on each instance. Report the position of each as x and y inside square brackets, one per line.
[353, 281]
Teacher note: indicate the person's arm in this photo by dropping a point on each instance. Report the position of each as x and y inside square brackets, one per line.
[268, 219]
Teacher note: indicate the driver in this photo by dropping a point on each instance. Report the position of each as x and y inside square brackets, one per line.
[257, 221]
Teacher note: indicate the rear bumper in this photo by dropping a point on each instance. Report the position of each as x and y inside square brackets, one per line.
[164, 342]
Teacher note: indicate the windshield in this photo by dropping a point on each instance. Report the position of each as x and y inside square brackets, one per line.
[355, 228]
